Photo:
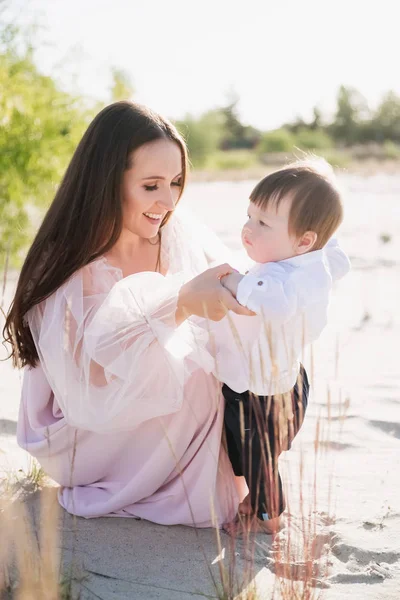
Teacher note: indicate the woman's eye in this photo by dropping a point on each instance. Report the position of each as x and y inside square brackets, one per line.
[177, 183]
[151, 188]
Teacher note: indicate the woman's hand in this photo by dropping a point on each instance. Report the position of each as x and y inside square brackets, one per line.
[204, 296]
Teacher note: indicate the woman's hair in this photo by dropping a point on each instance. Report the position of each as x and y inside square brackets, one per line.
[316, 203]
[85, 218]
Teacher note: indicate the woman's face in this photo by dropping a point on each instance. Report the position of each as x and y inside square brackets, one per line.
[151, 187]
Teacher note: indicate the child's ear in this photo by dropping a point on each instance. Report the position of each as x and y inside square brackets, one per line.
[306, 242]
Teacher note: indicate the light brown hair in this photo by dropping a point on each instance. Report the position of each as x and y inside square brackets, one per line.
[316, 203]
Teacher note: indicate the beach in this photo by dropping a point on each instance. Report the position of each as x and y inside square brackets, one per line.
[342, 476]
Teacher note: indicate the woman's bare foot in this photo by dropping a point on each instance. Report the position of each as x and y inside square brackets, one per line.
[245, 507]
[251, 524]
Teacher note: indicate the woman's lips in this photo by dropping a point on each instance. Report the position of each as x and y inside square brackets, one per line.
[154, 221]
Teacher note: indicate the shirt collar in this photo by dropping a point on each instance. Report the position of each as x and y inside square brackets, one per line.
[294, 261]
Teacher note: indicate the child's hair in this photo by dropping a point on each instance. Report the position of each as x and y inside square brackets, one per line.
[316, 200]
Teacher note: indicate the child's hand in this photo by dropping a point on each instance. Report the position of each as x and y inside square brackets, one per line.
[231, 282]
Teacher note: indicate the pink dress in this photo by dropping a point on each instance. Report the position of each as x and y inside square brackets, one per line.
[123, 410]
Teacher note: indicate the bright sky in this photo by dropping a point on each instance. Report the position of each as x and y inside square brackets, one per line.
[282, 57]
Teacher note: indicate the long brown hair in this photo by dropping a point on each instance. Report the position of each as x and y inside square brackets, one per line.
[85, 218]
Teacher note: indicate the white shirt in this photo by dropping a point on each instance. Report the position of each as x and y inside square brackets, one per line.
[291, 299]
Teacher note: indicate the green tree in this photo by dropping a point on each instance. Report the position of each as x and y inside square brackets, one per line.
[203, 135]
[316, 123]
[386, 120]
[232, 127]
[122, 87]
[298, 123]
[40, 126]
[235, 134]
[312, 139]
[351, 114]
[279, 140]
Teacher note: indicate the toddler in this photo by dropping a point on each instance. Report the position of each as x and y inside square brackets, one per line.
[292, 216]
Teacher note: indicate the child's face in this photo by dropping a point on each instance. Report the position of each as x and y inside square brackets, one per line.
[266, 233]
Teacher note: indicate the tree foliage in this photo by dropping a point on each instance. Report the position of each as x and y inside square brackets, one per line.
[40, 126]
[351, 112]
[278, 140]
[203, 135]
[235, 135]
[122, 87]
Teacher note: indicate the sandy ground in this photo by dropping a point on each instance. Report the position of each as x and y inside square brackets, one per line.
[351, 485]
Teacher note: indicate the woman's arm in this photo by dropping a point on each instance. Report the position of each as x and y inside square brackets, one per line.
[204, 296]
[116, 358]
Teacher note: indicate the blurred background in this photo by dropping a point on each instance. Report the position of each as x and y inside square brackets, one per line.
[250, 85]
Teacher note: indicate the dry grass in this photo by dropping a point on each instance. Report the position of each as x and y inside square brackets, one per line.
[30, 556]
[299, 556]
[30, 565]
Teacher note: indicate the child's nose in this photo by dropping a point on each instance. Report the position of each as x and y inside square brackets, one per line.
[247, 227]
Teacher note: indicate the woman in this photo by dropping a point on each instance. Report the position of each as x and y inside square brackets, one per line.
[114, 403]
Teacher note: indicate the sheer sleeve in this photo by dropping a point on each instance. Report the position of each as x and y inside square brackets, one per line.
[111, 350]
[195, 234]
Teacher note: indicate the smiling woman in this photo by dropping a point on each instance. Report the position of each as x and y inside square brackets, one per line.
[147, 200]
[152, 192]
[118, 403]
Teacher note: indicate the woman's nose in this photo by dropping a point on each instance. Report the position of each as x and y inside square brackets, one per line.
[168, 201]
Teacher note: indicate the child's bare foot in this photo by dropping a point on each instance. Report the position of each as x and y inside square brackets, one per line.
[245, 507]
[246, 524]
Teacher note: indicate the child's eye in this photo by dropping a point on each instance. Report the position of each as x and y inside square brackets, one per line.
[151, 188]
[263, 224]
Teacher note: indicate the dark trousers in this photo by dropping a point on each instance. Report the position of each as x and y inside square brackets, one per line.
[258, 429]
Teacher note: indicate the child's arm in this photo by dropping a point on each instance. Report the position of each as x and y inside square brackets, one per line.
[273, 297]
[231, 282]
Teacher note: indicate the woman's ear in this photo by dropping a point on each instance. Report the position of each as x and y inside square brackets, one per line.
[306, 242]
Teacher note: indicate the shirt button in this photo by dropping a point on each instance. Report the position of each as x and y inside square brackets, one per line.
[260, 283]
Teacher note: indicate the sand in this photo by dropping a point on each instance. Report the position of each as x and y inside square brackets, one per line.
[350, 507]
